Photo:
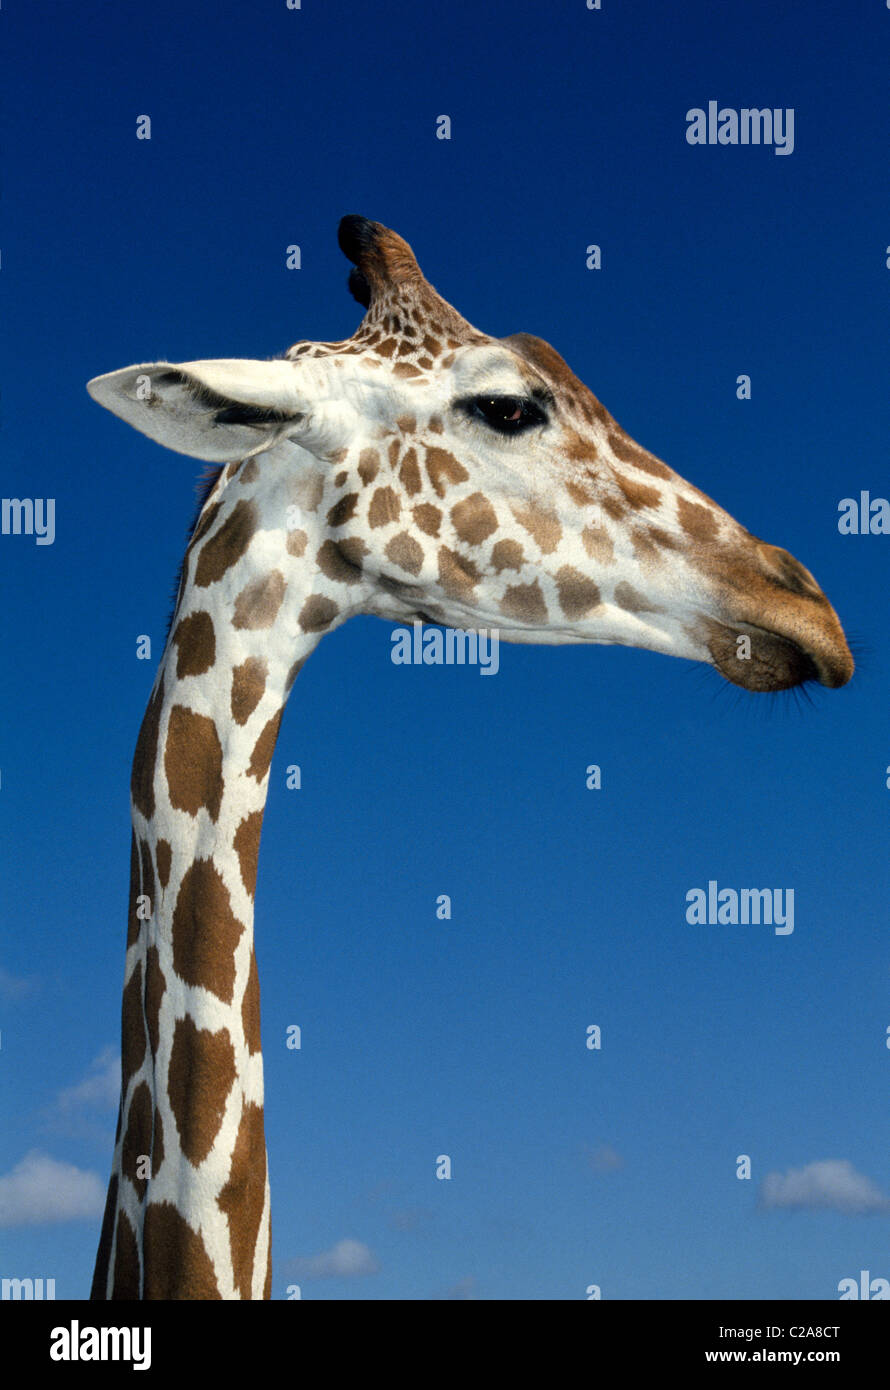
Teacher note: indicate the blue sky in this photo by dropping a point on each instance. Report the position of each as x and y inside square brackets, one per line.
[571, 1167]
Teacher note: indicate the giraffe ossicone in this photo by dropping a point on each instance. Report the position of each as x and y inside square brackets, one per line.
[417, 470]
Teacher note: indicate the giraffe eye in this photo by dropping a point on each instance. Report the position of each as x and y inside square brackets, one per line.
[506, 414]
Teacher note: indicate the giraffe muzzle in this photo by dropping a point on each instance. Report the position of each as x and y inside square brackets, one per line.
[777, 629]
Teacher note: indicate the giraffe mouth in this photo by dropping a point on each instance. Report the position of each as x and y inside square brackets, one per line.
[760, 660]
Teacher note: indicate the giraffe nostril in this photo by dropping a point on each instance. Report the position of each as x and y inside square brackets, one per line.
[783, 569]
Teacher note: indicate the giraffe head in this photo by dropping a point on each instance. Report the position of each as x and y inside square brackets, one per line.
[424, 469]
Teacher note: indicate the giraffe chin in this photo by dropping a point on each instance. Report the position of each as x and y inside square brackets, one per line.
[773, 663]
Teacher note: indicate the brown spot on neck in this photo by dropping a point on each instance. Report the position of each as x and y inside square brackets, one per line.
[200, 1076]
[194, 637]
[205, 931]
[177, 1265]
[243, 1197]
[248, 687]
[193, 762]
[264, 747]
[145, 757]
[226, 547]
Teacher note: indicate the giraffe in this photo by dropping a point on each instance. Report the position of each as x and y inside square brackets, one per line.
[420, 470]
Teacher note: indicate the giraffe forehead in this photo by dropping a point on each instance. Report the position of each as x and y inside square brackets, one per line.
[466, 371]
[496, 369]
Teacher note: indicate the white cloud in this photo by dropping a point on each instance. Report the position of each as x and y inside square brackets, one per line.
[346, 1259]
[830, 1184]
[40, 1189]
[100, 1088]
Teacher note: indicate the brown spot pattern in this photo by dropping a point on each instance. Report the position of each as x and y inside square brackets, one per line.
[405, 552]
[638, 494]
[543, 528]
[136, 1142]
[409, 473]
[631, 600]
[164, 856]
[250, 1009]
[248, 687]
[244, 1195]
[368, 465]
[582, 495]
[196, 643]
[258, 603]
[193, 762]
[344, 510]
[157, 1145]
[385, 507]
[142, 780]
[132, 1027]
[614, 507]
[155, 984]
[134, 923]
[296, 543]
[205, 931]
[457, 574]
[332, 562]
[200, 1077]
[624, 448]
[698, 522]
[428, 518]
[228, 545]
[176, 1263]
[353, 550]
[598, 544]
[443, 469]
[264, 747]
[247, 848]
[126, 1261]
[474, 519]
[317, 613]
[577, 593]
[507, 555]
[525, 602]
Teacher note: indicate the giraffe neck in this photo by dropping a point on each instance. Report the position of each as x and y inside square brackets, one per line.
[188, 1205]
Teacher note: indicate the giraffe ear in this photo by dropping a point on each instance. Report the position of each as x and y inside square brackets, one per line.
[216, 410]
